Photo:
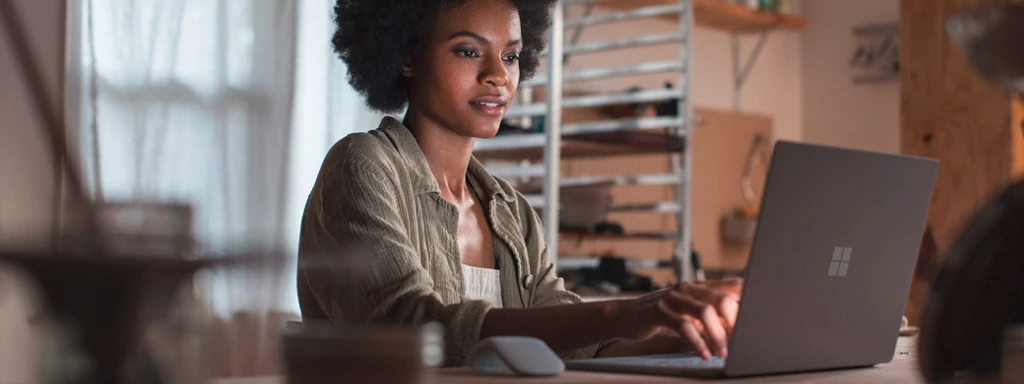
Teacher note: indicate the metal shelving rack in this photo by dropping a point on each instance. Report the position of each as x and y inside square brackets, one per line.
[663, 134]
[551, 109]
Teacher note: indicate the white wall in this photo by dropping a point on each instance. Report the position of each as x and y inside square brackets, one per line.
[836, 112]
[774, 87]
[27, 186]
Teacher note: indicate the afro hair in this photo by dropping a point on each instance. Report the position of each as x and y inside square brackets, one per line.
[375, 38]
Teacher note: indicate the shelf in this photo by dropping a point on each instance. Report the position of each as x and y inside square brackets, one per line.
[604, 72]
[536, 198]
[589, 181]
[627, 236]
[664, 207]
[598, 100]
[649, 179]
[632, 42]
[580, 145]
[721, 15]
[580, 262]
[535, 201]
[668, 10]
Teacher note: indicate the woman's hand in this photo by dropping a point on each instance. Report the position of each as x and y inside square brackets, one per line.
[702, 314]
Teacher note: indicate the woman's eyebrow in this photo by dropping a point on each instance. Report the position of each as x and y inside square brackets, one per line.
[481, 39]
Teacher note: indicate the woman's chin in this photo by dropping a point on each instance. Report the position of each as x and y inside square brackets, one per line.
[485, 132]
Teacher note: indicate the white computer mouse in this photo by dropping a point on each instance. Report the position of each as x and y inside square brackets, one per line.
[515, 356]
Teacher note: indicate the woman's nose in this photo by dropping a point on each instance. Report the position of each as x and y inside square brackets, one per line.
[494, 73]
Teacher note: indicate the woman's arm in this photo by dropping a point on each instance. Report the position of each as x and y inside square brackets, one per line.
[370, 272]
[680, 312]
[700, 317]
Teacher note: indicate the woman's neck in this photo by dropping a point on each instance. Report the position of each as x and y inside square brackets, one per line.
[447, 153]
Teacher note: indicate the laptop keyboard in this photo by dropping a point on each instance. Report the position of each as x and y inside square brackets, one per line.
[675, 361]
[680, 361]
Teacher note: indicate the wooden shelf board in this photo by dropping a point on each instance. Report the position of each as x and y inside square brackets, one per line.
[722, 15]
[595, 144]
[625, 236]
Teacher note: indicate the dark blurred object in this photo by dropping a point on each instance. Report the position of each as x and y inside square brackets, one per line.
[607, 227]
[768, 5]
[627, 110]
[98, 307]
[989, 37]
[978, 293]
[669, 107]
[505, 128]
[698, 265]
[616, 272]
[322, 353]
[639, 109]
[927, 256]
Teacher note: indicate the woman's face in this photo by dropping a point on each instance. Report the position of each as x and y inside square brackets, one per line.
[467, 72]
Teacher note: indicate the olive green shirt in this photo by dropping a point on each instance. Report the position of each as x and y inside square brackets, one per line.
[376, 219]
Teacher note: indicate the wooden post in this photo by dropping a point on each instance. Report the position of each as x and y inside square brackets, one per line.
[1017, 127]
[951, 113]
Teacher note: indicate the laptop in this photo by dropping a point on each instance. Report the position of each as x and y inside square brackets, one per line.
[830, 268]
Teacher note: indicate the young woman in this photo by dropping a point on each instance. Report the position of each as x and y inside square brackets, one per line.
[435, 236]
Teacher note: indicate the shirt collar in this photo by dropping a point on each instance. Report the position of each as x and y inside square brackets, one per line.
[424, 180]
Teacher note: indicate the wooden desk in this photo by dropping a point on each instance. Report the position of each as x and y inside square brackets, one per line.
[902, 369]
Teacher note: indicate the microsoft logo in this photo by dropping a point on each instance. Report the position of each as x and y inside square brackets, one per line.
[840, 261]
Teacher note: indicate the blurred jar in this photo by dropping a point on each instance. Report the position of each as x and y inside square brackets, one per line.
[326, 354]
[149, 229]
[123, 303]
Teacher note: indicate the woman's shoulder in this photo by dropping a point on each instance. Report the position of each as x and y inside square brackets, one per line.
[361, 150]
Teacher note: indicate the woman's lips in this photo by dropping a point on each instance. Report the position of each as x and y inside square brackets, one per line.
[490, 109]
[490, 105]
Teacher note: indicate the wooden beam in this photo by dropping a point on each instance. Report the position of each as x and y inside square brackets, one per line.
[951, 113]
[721, 15]
[732, 17]
[1017, 126]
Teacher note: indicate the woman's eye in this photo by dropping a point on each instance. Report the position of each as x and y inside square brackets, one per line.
[512, 59]
[468, 53]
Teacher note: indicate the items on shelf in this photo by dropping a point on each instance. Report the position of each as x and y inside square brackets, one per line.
[669, 107]
[776, 6]
[583, 206]
[739, 226]
[602, 228]
[506, 128]
[613, 275]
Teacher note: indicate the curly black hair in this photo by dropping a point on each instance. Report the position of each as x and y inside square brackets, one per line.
[376, 37]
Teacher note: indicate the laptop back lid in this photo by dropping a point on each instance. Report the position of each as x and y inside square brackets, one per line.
[832, 260]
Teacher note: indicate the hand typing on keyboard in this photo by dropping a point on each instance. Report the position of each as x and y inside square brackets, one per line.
[701, 315]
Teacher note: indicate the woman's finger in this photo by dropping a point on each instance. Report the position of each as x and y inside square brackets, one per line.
[729, 309]
[726, 304]
[695, 339]
[686, 327]
[714, 331]
[705, 315]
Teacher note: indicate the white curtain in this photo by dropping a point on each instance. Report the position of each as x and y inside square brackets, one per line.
[191, 101]
[229, 105]
[326, 107]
